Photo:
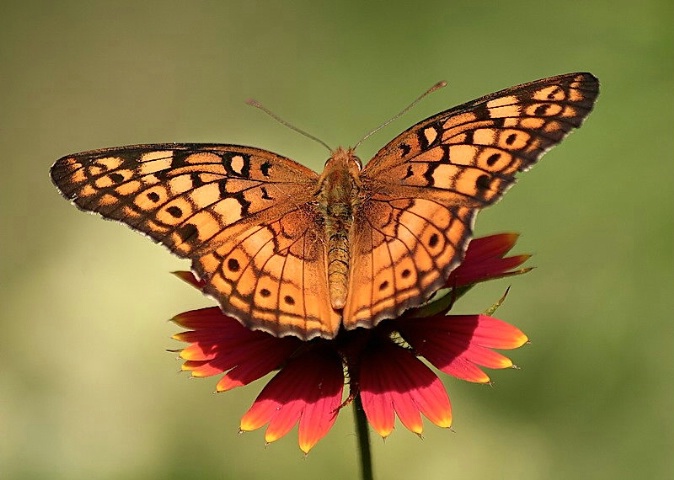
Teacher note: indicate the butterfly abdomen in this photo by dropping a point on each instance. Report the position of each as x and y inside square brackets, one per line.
[337, 201]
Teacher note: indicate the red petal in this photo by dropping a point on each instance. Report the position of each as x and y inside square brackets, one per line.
[201, 369]
[247, 373]
[491, 246]
[460, 368]
[459, 344]
[393, 381]
[487, 358]
[288, 415]
[211, 317]
[220, 344]
[320, 414]
[309, 390]
[494, 333]
[484, 260]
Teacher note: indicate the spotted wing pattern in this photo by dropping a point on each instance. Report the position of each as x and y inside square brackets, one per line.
[241, 214]
[426, 186]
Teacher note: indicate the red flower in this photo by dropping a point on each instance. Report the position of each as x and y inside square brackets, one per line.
[381, 363]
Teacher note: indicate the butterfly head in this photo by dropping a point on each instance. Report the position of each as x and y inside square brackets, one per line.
[344, 159]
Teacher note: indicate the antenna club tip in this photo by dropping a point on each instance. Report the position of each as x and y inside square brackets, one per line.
[440, 84]
[252, 102]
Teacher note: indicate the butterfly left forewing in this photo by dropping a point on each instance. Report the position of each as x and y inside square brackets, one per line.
[219, 205]
[450, 166]
[186, 196]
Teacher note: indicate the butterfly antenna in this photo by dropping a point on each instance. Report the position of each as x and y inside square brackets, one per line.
[435, 87]
[256, 104]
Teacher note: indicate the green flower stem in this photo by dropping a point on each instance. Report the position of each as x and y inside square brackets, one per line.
[363, 434]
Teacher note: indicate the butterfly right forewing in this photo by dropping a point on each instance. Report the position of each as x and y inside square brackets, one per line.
[424, 188]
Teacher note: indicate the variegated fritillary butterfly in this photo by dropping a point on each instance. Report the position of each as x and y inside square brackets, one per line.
[291, 252]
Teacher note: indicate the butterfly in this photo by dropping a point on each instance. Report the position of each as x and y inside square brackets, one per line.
[289, 251]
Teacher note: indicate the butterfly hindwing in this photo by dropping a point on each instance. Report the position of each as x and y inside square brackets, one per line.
[401, 248]
[273, 276]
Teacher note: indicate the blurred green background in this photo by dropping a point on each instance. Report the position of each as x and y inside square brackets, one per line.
[87, 387]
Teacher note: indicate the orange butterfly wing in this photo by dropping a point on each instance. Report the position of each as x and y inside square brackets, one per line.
[243, 215]
[425, 187]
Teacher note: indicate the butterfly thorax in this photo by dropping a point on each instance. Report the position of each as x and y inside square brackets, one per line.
[338, 197]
